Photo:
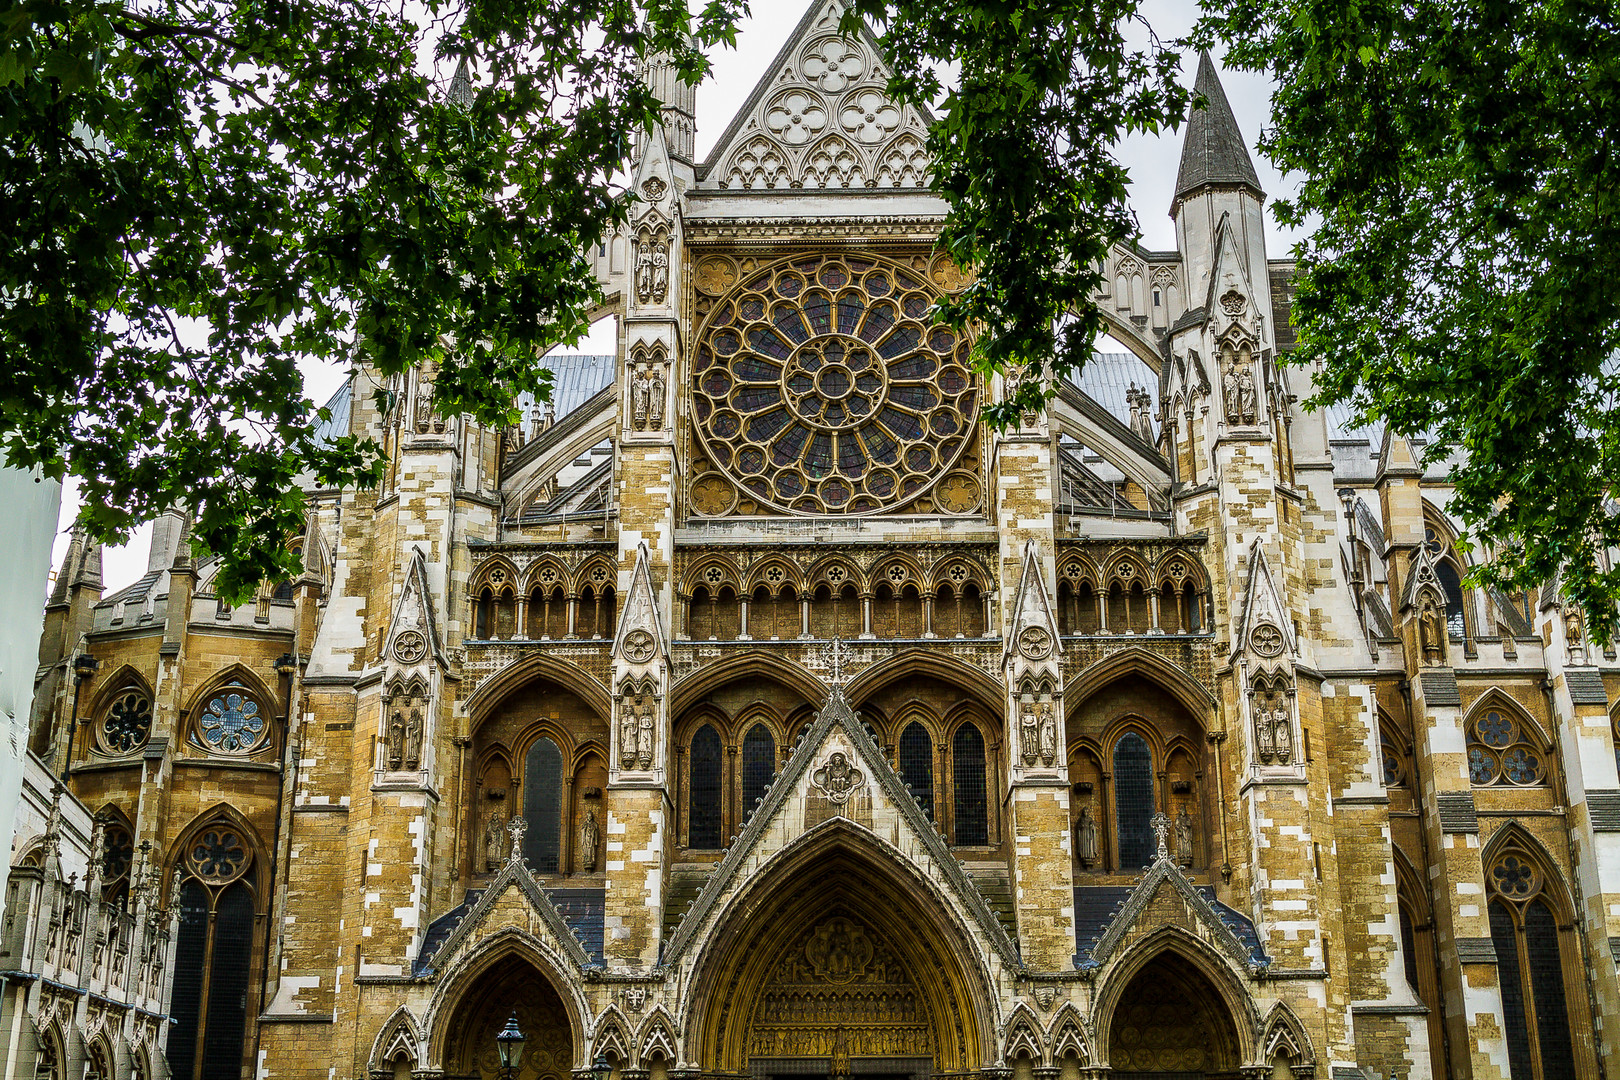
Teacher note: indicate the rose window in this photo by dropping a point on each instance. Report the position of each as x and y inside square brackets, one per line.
[1500, 753]
[820, 388]
[128, 723]
[231, 722]
[218, 854]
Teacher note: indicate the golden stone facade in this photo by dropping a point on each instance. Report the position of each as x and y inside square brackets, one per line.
[757, 711]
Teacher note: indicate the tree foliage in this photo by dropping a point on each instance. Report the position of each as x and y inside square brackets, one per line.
[200, 193]
[1460, 168]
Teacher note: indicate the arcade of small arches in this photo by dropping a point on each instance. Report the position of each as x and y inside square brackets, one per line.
[1122, 594]
[545, 602]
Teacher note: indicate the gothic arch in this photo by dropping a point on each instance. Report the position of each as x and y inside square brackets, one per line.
[1174, 941]
[1024, 1036]
[235, 673]
[1136, 660]
[1284, 1036]
[126, 677]
[1069, 1036]
[223, 813]
[986, 690]
[657, 1036]
[398, 1035]
[537, 666]
[1496, 697]
[611, 1038]
[463, 977]
[697, 685]
[840, 866]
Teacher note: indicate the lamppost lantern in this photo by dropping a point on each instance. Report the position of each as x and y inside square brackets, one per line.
[601, 1068]
[510, 1044]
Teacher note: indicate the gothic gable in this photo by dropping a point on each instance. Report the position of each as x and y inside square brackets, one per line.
[820, 119]
[1264, 625]
[413, 633]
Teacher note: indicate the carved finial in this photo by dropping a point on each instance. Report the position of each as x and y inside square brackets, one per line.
[834, 654]
[516, 827]
[1161, 830]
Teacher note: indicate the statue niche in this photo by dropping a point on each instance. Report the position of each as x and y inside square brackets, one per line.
[839, 991]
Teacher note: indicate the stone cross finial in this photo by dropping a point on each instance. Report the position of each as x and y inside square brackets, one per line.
[517, 827]
[834, 654]
[1161, 830]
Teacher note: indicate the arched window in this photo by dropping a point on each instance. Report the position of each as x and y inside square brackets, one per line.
[48, 1063]
[703, 803]
[967, 759]
[917, 765]
[126, 723]
[1502, 753]
[212, 956]
[1529, 959]
[117, 854]
[1450, 580]
[231, 720]
[758, 766]
[1133, 801]
[542, 805]
[484, 615]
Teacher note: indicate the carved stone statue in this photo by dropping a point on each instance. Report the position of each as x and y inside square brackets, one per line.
[1048, 735]
[644, 745]
[1184, 841]
[638, 399]
[494, 842]
[1029, 730]
[413, 740]
[1431, 634]
[1085, 837]
[1265, 747]
[1246, 396]
[424, 407]
[629, 732]
[396, 741]
[652, 272]
[1574, 634]
[1229, 387]
[589, 834]
[655, 398]
[1282, 734]
[644, 274]
[660, 274]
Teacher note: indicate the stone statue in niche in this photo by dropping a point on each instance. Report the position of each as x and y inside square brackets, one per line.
[494, 842]
[1574, 635]
[396, 740]
[1048, 735]
[589, 835]
[1247, 407]
[1264, 748]
[1184, 838]
[1282, 733]
[639, 393]
[1431, 634]
[644, 744]
[1229, 388]
[1085, 837]
[655, 398]
[629, 734]
[413, 740]
[1273, 729]
[1029, 732]
[652, 272]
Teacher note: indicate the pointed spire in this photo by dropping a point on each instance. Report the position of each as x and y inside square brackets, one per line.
[1214, 152]
[461, 90]
[81, 566]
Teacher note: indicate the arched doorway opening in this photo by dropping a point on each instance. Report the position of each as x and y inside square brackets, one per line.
[509, 986]
[839, 963]
[1171, 1021]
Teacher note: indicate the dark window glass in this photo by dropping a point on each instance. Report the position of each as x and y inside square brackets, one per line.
[758, 766]
[1547, 990]
[1409, 951]
[1452, 584]
[1507, 966]
[228, 984]
[704, 805]
[967, 753]
[542, 805]
[1133, 801]
[917, 765]
[190, 965]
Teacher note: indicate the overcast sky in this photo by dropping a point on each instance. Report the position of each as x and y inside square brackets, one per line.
[1152, 162]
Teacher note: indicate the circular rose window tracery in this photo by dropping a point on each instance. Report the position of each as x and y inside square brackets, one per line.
[820, 388]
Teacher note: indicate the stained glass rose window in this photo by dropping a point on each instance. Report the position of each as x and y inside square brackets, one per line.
[127, 723]
[1500, 753]
[231, 721]
[218, 854]
[819, 387]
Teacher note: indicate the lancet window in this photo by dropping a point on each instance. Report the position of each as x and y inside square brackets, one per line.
[971, 815]
[726, 778]
[917, 764]
[705, 790]
[542, 805]
[1133, 801]
[213, 954]
[1531, 959]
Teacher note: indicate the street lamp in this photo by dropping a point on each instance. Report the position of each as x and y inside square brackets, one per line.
[510, 1044]
[601, 1068]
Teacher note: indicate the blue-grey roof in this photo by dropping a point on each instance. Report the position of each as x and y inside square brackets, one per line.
[574, 381]
[1095, 906]
[1107, 376]
[581, 909]
[330, 430]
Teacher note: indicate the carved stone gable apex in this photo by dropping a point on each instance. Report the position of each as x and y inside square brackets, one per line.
[1231, 300]
[836, 759]
[1033, 632]
[317, 559]
[640, 638]
[516, 877]
[1165, 876]
[820, 118]
[413, 632]
[1265, 628]
[1421, 577]
[654, 182]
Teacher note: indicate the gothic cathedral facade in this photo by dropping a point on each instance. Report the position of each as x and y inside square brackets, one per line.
[755, 710]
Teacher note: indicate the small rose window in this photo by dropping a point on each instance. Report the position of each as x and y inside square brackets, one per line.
[1500, 754]
[127, 723]
[218, 854]
[232, 721]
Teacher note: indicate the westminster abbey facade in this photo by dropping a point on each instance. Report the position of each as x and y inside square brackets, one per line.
[753, 709]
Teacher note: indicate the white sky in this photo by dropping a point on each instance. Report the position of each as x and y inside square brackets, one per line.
[1152, 162]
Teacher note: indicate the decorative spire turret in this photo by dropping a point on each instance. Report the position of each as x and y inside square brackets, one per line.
[1213, 153]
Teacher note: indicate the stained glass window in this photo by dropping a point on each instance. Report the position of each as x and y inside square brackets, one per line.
[1133, 801]
[128, 722]
[190, 968]
[1530, 960]
[967, 758]
[704, 801]
[542, 805]
[758, 766]
[917, 765]
[1409, 950]
[1501, 753]
[228, 984]
[232, 721]
[1506, 940]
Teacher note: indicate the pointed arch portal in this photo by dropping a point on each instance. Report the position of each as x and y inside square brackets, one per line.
[509, 986]
[1170, 1020]
[842, 965]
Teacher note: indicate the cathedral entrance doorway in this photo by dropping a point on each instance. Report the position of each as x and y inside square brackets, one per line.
[839, 965]
[510, 986]
[1171, 1023]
